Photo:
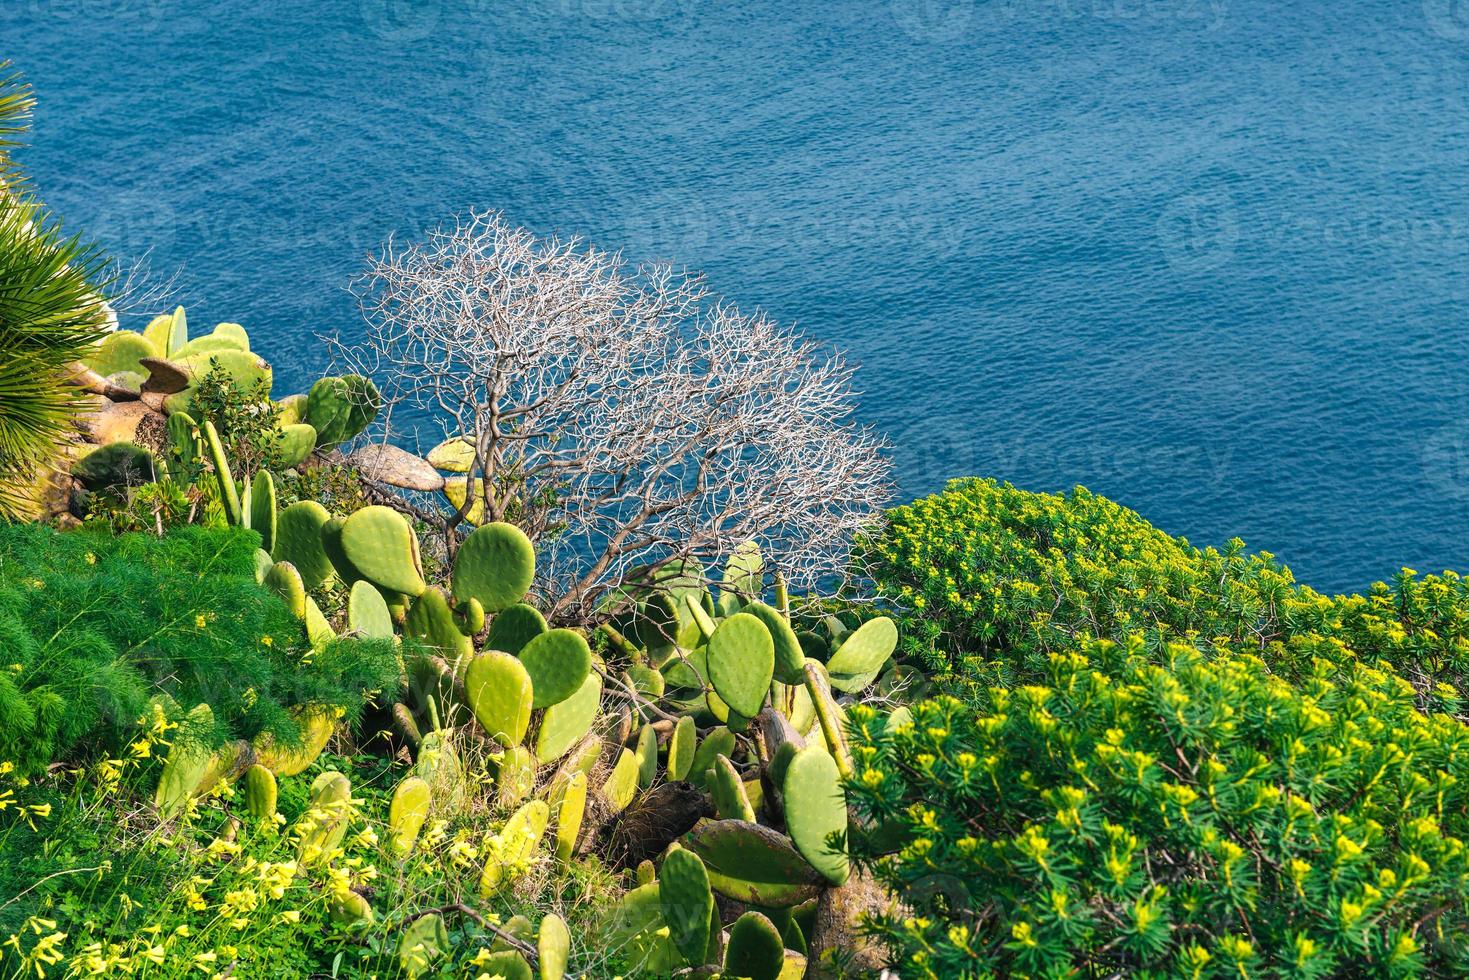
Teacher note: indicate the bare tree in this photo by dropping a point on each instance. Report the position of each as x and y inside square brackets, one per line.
[618, 415]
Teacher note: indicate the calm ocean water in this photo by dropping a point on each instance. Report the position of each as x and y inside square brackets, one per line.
[1206, 257]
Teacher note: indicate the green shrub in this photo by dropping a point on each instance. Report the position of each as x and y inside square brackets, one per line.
[94, 626]
[1159, 812]
[995, 579]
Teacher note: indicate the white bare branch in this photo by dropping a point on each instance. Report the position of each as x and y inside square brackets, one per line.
[619, 415]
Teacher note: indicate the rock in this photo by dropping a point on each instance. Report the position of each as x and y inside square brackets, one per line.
[47, 495]
[114, 422]
[115, 464]
[164, 376]
[397, 468]
[154, 399]
[835, 927]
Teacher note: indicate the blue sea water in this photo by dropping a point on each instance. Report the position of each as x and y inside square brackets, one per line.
[1206, 257]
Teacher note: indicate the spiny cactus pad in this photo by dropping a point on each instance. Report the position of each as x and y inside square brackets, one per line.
[755, 949]
[566, 723]
[856, 663]
[514, 627]
[741, 662]
[515, 775]
[262, 509]
[432, 622]
[719, 741]
[367, 611]
[788, 653]
[297, 440]
[316, 724]
[681, 748]
[498, 691]
[298, 541]
[407, 812]
[383, 548]
[260, 793]
[341, 408]
[120, 350]
[647, 756]
[518, 840]
[728, 791]
[569, 818]
[553, 944]
[558, 662]
[686, 901]
[815, 807]
[495, 564]
[424, 941]
[331, 543]
[283, 579]
[751, 863]
[187, 761]
[622, 785]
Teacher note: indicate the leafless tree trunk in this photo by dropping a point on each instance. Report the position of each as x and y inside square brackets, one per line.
[618, 415]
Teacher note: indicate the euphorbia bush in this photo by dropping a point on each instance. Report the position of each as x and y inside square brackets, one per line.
[1163, 812]
[993, 579]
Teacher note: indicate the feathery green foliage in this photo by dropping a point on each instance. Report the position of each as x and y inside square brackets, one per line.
[93, 626]
[51, 312]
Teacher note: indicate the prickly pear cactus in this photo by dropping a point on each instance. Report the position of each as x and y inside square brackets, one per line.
[186, 764]
[262, 509]
[260, 793]
[383, 549]
[742, 662]
[283, 579]
[687, 903]
[567, 723]
[298, 541]
[497, 689]
[816, 808]
[862, 655]
[553, 946]
[728, 791]
[514, 627]
[408, 812]
[496, 565]
[558, 662]
[341, 408]
[755, 948]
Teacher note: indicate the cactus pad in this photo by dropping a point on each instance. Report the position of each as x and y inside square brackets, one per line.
[816, 807]
[383, 548]
[856, 663]
[742, 662]
[553, 944]
[566, 723]
[298, 541]
[517, 841]
[496, 565]
[681, 748]
[341, 408]
[432, 621]
[260, 793]
[498, 690]
[407, 813]
[686, 902]
[622, 785]
[755, 949]
[569, 818]
[558, 662]
[719, 741]
[728, 791]
[367, 612]
[283, 579]
[186, 764]
[514, 627]
[788, 653]
[262, 508]
[751, 863]
[297, 440]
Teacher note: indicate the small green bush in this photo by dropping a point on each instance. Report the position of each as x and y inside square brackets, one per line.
[1160, 812]
[92, 627]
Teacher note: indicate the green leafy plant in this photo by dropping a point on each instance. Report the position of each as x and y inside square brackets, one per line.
[51, 314]
[1156, 811]
[95, 627]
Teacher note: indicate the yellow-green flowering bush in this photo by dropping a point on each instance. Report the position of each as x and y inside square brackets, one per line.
[1160, 812]
[995, 579]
